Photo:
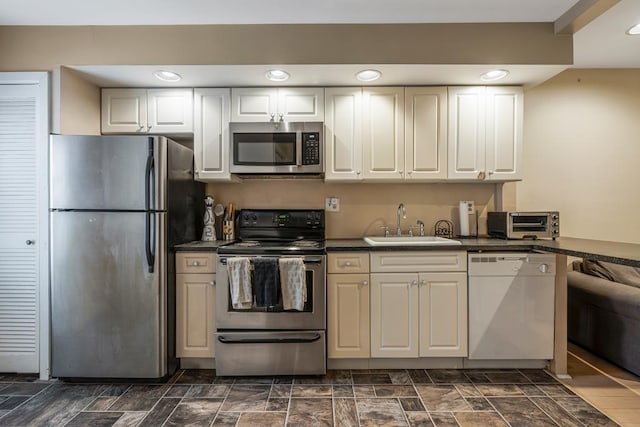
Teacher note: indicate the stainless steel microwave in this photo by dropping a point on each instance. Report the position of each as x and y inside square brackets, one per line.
[277, 148]
[523, 225]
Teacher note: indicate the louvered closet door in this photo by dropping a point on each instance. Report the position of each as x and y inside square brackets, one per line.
[18, 228]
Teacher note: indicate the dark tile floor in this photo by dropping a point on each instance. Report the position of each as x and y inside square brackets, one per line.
[341, 398]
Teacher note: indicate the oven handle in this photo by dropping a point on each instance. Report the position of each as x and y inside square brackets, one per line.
[225, 340]
[306, 260]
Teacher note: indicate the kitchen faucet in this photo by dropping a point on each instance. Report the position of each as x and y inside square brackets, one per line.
[401, 211]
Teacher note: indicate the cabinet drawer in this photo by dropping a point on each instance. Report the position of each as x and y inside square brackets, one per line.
[389, 262]
[348, 262]
[195, 262]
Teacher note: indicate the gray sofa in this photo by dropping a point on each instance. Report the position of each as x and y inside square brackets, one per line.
[603, 314]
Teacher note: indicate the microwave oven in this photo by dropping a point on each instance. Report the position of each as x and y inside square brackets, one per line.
[523, 225]
[277, 148]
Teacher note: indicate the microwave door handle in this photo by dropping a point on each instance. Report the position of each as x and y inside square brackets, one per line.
[298, 148]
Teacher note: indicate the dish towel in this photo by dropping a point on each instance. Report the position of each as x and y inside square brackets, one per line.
[293, 283]
[240, 282]
[266, 281]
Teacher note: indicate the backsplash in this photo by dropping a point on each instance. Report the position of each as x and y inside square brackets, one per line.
[364, 208]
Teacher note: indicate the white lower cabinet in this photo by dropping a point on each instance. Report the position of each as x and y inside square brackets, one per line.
[418, 313]
[348, 326]
[195, 304]
[348, 316]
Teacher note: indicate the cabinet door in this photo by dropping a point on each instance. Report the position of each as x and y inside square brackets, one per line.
[466, 136]
[301, 104]
[425, 138]
[195, 316]
[394, 315]
[504, 133]
[343, 134]
[211, 134]
[383, 133]
[170, 111]
[124, 111]
[348, 315]
[254, 104]
[443, 314]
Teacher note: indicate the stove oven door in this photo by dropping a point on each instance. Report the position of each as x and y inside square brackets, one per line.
[312, 317]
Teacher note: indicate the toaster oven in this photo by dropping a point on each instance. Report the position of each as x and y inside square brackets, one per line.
[523, 225]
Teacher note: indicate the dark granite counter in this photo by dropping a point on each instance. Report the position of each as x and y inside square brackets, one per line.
[198, 245]
[620, 253]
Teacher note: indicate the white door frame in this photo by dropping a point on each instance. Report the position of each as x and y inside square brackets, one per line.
[41, 79]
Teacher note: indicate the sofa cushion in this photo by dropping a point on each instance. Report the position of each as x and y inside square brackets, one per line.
[606, 294]
[614, 272]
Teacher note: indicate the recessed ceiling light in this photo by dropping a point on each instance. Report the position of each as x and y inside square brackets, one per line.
[167, 76]
[634, 31]
[493, 75]
[368, 75]
[277, 75]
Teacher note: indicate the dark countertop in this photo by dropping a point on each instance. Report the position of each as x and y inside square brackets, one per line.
[620, 253]
[198, 245]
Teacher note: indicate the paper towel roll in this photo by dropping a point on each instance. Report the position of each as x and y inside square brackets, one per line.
[464, 218]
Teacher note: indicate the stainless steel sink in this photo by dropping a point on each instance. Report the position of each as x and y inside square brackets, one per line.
[410, 241]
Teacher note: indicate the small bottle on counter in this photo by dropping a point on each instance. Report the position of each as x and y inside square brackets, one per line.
[209, 230]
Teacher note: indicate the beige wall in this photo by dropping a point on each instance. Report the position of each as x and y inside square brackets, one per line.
[363, 207]
[76, 104]
[44, 48]
[582, 153]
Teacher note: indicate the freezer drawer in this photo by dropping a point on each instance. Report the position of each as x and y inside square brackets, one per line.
[271, 353]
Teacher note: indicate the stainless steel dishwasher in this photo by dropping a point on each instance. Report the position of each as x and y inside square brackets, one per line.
[511, 305]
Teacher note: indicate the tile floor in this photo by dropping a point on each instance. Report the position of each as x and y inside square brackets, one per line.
[341, 398]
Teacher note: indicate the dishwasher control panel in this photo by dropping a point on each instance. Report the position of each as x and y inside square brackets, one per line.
[511, 263]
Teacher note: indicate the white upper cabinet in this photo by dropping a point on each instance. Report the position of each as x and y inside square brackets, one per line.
[383, 133]
[425, 137]
[277, 104]
[485, 133]
[211, 134]
[147, 111]
[343, 133]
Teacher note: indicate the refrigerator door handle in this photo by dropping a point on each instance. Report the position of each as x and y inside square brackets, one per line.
[149, 185]
[149, 192]
[150, 239]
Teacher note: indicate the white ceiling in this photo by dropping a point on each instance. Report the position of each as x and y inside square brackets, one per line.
[602, 43]
[189, 12]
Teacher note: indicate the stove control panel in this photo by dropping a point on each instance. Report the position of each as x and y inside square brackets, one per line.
[263, 218]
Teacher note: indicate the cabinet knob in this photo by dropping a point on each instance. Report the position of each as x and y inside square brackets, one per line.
[140, 128]
[30, 242]
[481, 175]
[365, 283]
[400, 172]
[195, 263]
[273, 117]
[281, 117]
[212, 283]
[148, 128]
[544, 268]
[347, 263]
[491, 172]
[410, 172]
[357, 172]
[414, 283]
[422, 282]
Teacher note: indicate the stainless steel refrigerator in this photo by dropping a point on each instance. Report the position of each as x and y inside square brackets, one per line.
[118, 204]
